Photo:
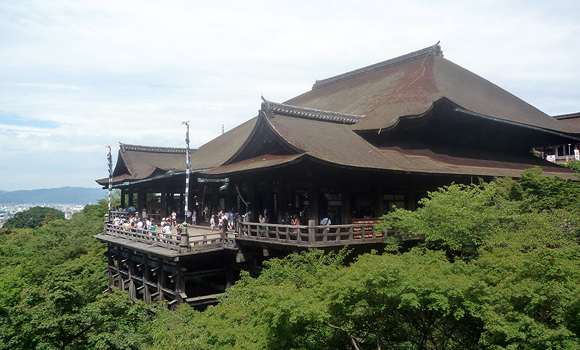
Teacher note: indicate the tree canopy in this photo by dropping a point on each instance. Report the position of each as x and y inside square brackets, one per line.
[34, 217]
[498, 267]
[51, 289]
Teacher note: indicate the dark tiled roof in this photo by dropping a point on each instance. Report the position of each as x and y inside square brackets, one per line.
[263, 162]
[431, 50]
[409, 86]
[222, 148]
[323, 124]
[337, 144]
[143, 162]
[571, 120]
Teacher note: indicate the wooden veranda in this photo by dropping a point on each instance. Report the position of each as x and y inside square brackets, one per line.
[197, 265]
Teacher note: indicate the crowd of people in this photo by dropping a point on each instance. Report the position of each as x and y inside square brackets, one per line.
[131, 220]
[221, 221]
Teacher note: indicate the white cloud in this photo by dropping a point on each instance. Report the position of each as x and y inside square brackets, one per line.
[107, 71]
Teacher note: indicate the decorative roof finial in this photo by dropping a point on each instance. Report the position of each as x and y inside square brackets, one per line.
[266, 102]
[437, 49]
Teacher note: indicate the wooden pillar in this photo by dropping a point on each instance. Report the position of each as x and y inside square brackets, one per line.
[131, 272]
[252, 198]
[161, 280]
[111, 263]
[314, 202]
[146, 280]
[230, 276]
[123, 194]
[311, 231]
[346, 211]
[131, 192]
[379, 207]
[180, 295]
[181, 206]
[171, 203]
[269, 205]
[121, 269]
[283, 206]
[164, 203]
[141, 201]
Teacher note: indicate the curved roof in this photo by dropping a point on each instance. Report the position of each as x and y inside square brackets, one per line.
[219, 150]
[142, 162]
[331, 142]
[408, 86]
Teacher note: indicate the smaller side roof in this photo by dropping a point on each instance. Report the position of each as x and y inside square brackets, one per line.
[142, 162]
[219, 150]
[571, 120]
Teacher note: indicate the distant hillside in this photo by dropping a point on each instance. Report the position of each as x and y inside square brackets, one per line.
[63, 195]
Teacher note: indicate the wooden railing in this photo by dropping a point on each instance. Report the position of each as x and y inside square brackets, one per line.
[180, 242]
[312, 234]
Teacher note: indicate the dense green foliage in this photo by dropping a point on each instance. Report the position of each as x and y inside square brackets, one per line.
[34, 217]
[498, 267]
[51, 289]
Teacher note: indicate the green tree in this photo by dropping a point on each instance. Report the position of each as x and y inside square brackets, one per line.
[51, 289]
[34, 217]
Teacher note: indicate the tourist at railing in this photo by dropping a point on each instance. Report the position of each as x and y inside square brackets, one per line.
[296, 222]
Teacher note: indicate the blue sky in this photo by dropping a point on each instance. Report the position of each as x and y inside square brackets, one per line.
[77, 75]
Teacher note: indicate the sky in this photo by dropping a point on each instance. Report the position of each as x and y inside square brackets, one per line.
[78, 75]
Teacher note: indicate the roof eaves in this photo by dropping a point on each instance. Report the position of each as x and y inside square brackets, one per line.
[168, 174]
[535, 128]
[567, 116]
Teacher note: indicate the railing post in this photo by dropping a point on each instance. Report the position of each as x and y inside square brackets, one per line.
[184, 244]
[311, 231]
[223, 233]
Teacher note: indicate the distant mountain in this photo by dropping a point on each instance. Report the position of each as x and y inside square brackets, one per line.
[62, 195]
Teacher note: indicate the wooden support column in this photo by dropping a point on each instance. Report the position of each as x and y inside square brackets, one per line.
[146, 279]
[346, 211]
[181, 206]
[284, 204]
[252, 198]
[379, 207]
[131, 192]
[121, 269]
[141, 201]
[230, 276]
[131, 272]
[314, 202]
[161, 283]
[111, 270]
[123, 194]
[180, 295]
[233, 197]
[164, 203]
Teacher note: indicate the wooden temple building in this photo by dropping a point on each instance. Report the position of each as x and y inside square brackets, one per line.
[351, 149]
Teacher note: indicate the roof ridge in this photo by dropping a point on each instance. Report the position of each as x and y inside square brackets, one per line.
[125, 147]
[431, 50]
[567, 116]
[309, 113]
